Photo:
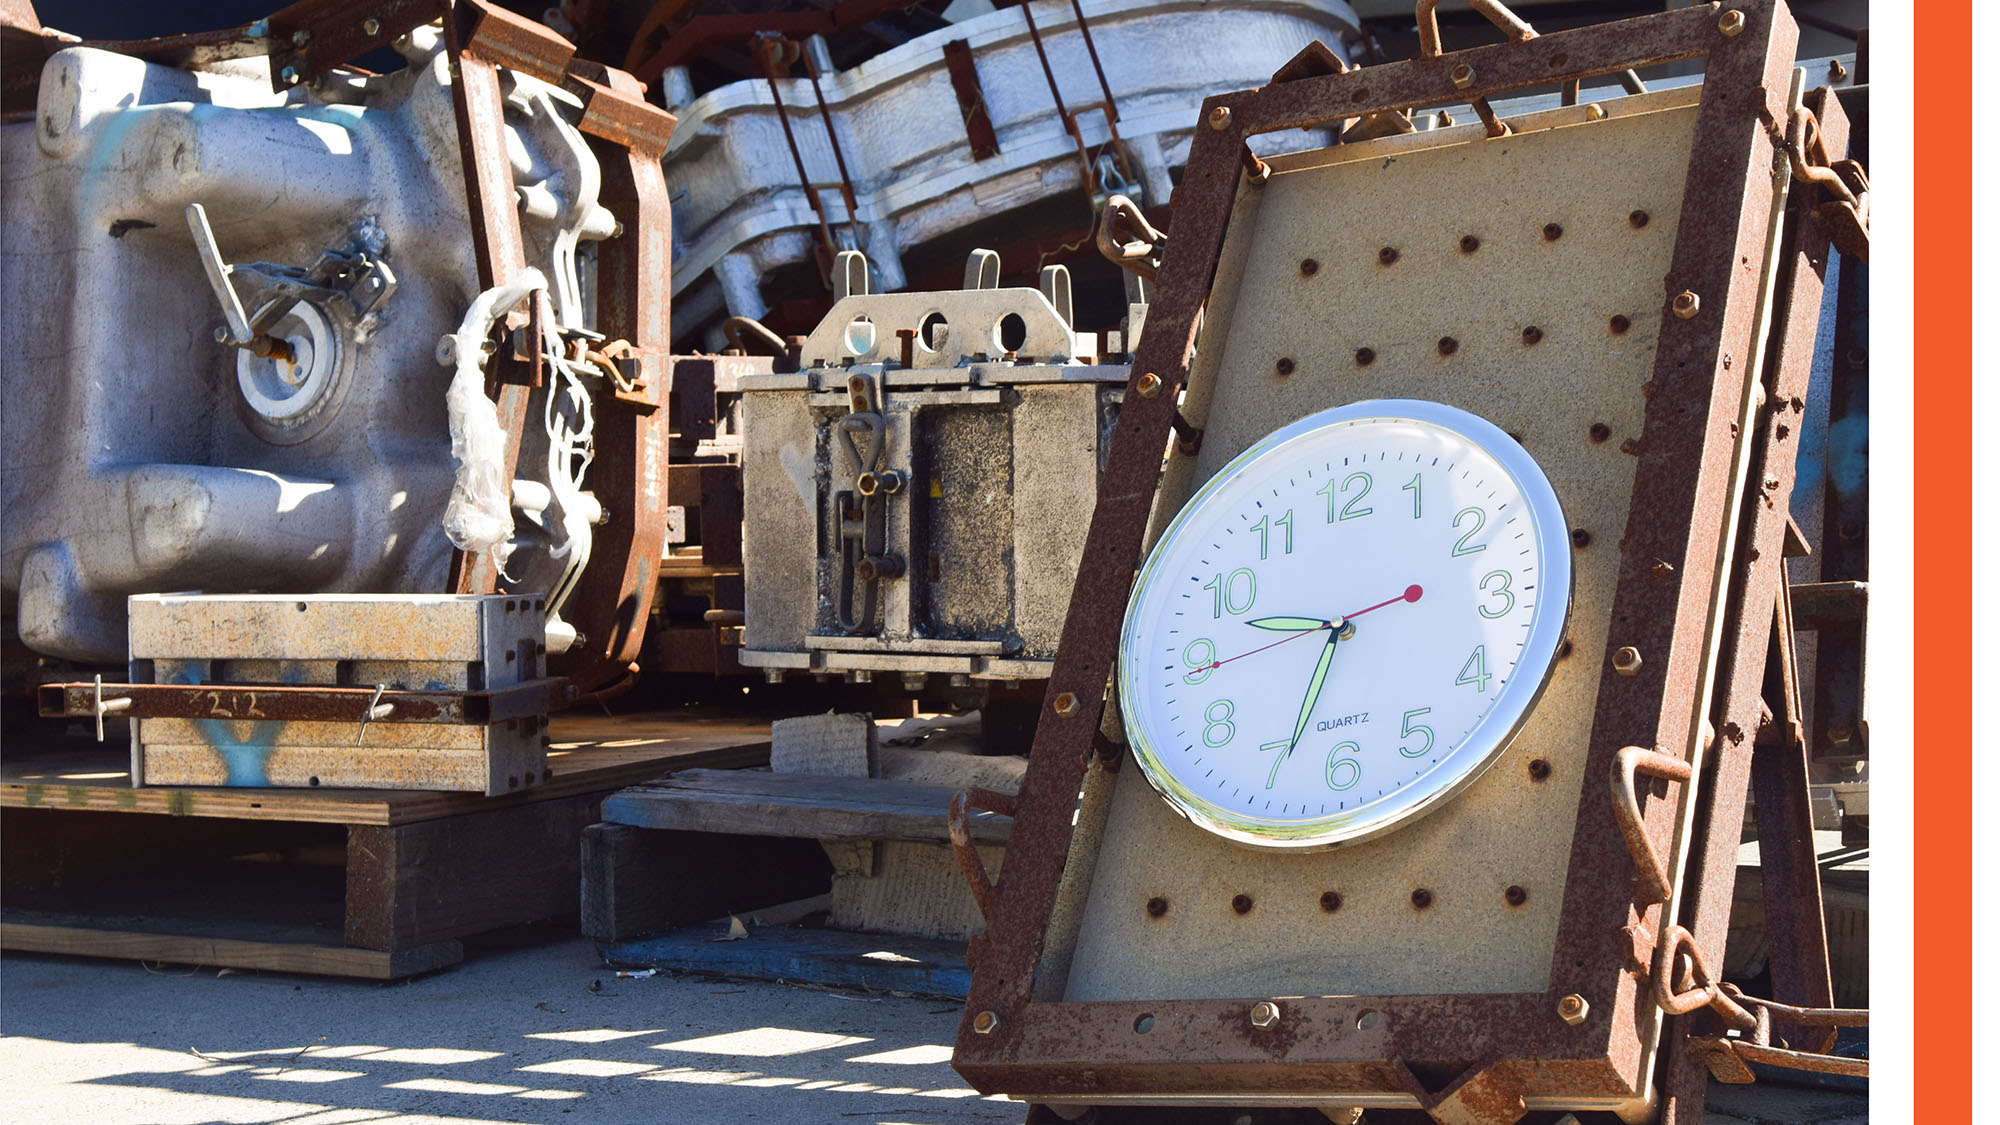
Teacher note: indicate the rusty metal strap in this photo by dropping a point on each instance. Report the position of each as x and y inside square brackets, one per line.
[960, 824]
[1844, 183]
[290, 703]
[1649, 869]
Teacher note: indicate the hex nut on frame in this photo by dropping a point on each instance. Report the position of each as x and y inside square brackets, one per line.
[1066, 704]
[1461, 75]
[1263, 1014]
[1731, 22]
[1218, 118]
[1148, 385]
[1573, 1009]
[1687, 305]
[984, 1023]
[1626, 661]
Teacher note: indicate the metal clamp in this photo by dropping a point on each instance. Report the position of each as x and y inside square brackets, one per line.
[1647, 866]
[100, 706]
[1429, 47]
[1683, 983]
[1128, 240]
[960, 823]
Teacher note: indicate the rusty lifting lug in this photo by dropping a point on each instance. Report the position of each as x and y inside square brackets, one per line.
[1843, 183]
[1127, 240]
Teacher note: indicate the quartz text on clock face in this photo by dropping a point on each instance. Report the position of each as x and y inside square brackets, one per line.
[1346, 624]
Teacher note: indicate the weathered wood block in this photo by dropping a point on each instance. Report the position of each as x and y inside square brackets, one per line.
[829, 745]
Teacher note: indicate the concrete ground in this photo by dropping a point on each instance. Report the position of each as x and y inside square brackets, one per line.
[540, 1032]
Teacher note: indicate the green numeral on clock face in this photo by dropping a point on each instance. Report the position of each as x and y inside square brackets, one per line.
[1430, 739]
[1200, 656]
[1502, 590]
[1221, 722]
[1478, 521]
[1337, 766]
[1347, 511]
[1416, 490]
[1226, 587]
[1263, 529]
[1474, 672]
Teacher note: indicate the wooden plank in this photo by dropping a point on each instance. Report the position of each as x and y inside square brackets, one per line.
[878, 962]
[755, 803]
[28, 932]
[413, 884]
[645, 880]
[587, 753]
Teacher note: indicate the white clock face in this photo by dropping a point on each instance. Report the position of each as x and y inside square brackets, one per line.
[1345, 625]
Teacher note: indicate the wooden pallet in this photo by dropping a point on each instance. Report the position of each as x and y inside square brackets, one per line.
[362, 883]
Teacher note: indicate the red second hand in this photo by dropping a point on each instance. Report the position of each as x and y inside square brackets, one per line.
[1408, 595]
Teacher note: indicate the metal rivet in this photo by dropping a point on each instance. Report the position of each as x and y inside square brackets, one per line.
[1599, 433]
[1468, 244]
[1626, 661]
[1330, 901]
[1241, 904]
[984, 1023]
[1364, 356]
[1388, 255]
[1573, 1009]
[1619, 325]
[1594, 112]
[1263, 1014]
[1461, 75]
[289, 76]
[1286, 366]
[1538, 769]
[1687, 305]
[1447, 345]
[1579, 538]
[371, 27]
[1516, 896]
[1552, 232]
[1531, 335]
[1731, 22]
[1420, 898]
[301, 37]
[1218, 118]
[1148, 385]
[1066, 704]
[1156, 907]
[1309, 267]
[1638, 219]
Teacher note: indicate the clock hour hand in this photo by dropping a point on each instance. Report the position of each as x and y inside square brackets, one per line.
[1289, 624]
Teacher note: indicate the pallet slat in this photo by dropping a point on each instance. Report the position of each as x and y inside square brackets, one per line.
[753, 803]
[27, 932]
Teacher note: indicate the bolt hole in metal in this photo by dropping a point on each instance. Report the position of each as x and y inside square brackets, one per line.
[1638, 219]
[1421, 899]
[1242, 904]
[1468, 245]
[1619, 325]
[1330, 901]
[1531, 335]
[1010, 333]
[1516, 896]
[1552, 232]
[302, 607]
[1156, 908]
[1388, 255]
[1364, 356]
[1286, 366]
[1538, 769]
[859, 336]
[1368, 1020]
[1579, 538]
[932, 333]
[1447, 345]
[1361, 95]
[1308, 267]
[1143, 1025]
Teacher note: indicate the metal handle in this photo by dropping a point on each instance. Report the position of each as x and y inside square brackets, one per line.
[1495, 12]
[742, 331]
[1648, 867]
[1128, 240]
[960, 822]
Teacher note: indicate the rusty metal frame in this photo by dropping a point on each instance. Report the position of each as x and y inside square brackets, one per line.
[1498, 1045]
[292, 703]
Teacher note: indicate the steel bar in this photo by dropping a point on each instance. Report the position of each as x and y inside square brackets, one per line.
[291, 703]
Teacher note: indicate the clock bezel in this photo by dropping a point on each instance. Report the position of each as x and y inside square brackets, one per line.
[1478, 750]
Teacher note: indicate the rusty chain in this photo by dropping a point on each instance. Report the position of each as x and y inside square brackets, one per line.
[1844, 183]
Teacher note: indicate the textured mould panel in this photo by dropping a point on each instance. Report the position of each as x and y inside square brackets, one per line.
[1419, 195]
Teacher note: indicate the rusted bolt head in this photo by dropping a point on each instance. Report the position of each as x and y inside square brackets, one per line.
[1148, 385]
[1066, 704]
[1516, 896]
[1687, 305]
[1468, 244]
[1330, 901]
[1286, 366]
[1594, 112]
[1579, 538]
[1364, 356]
[1573, 1009]
[1420, 898]
[1218, 118]
[1447, 345]
[1531, 335]
[1538, 769]
[1156, 907]
[1263, 1014]
[1599, 433]
[1620, 324]
[1731, 22]
[1308, 267]
[867, 484]
[1552, 231]
[1241, 904]
[1388, 255]
[984, 1023]
[1461, 75]
[1626, 661]
[371, 27]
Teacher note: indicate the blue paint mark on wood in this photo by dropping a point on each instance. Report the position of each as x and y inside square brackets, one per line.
[877, 962]
[247, 759]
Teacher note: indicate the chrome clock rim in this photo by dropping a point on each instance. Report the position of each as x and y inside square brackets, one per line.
[1485, 744]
